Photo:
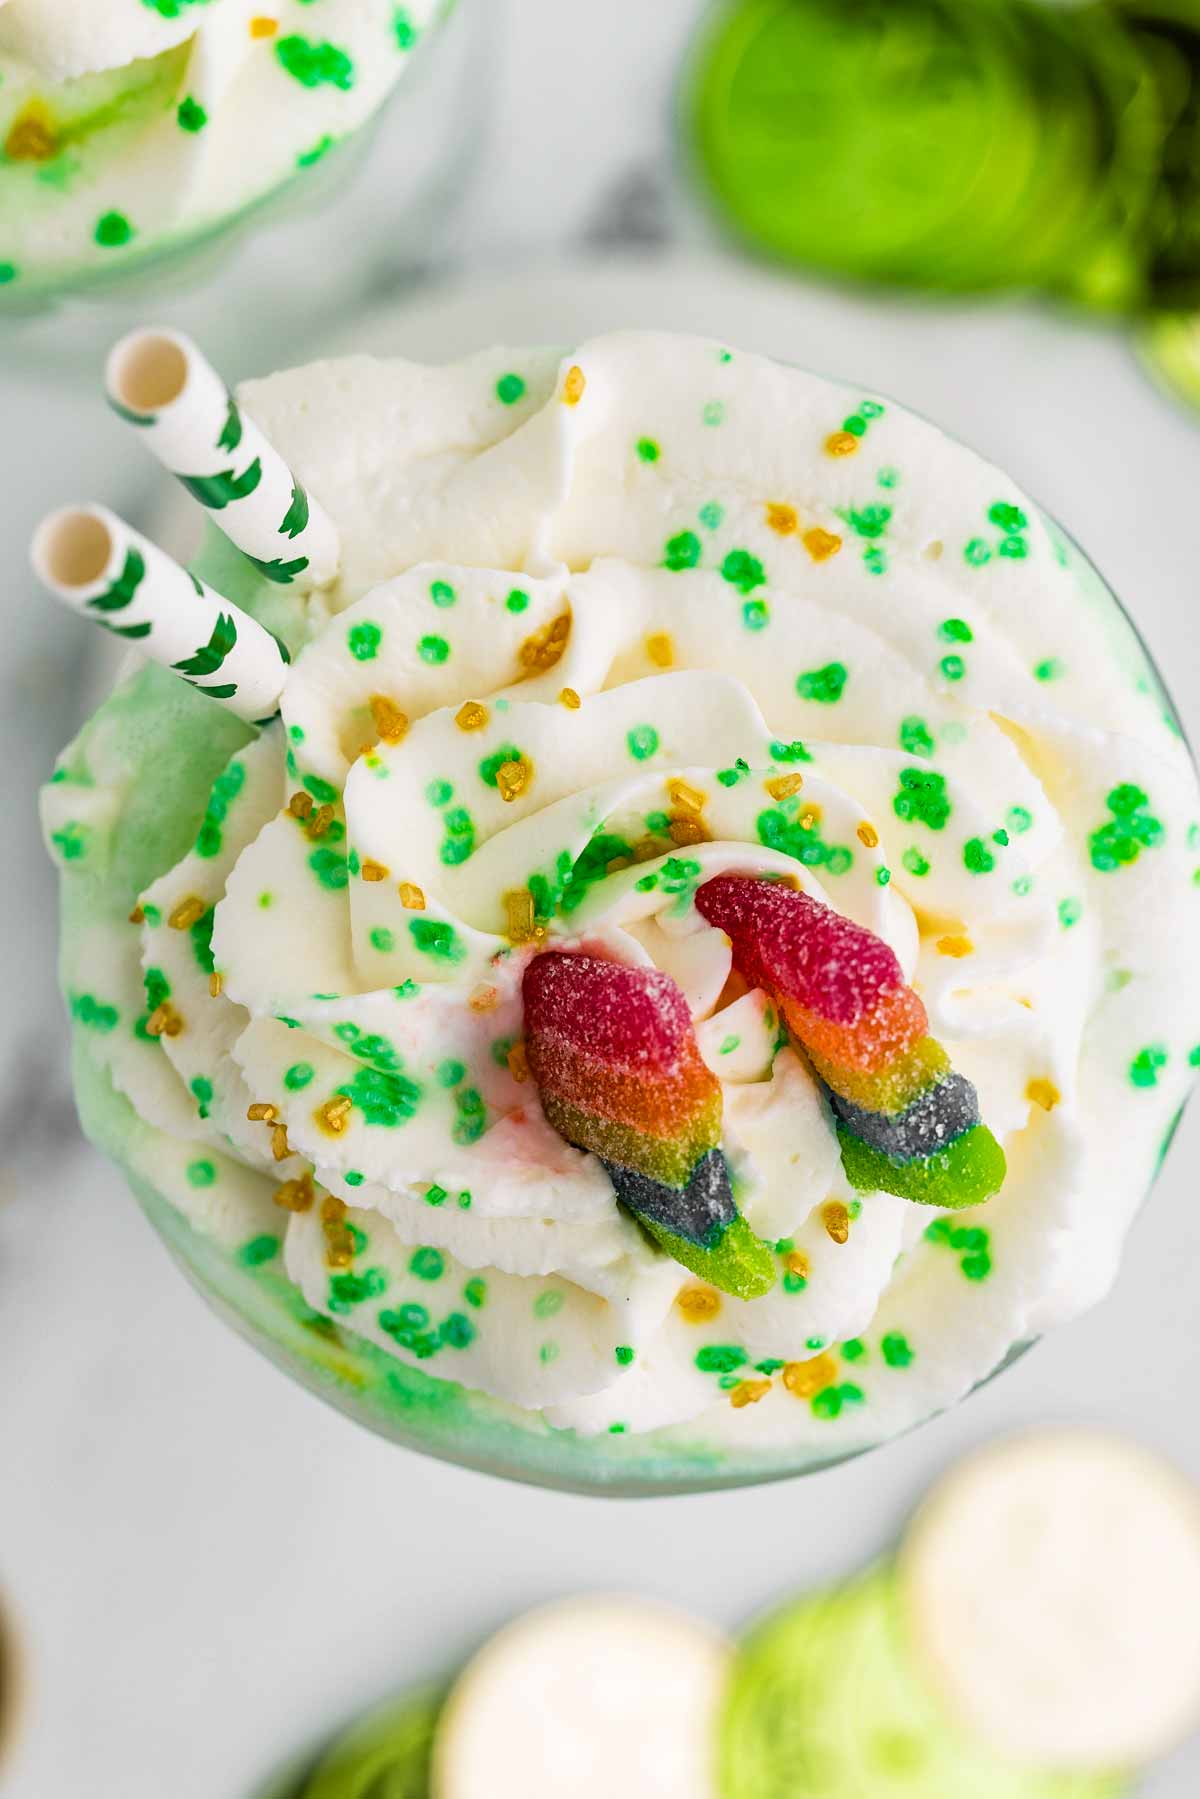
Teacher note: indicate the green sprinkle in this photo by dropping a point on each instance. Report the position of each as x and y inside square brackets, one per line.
[435, 1195]
[548, 1304]
[298, 1075]
[406, 32]
[642, 742]
[711, 515]
[955, 630]
[896, 1350]
[382, 939]
[437, 939]
[916, 739]
[729, 1045]
[201, 1174]
[307, 158]
[548, 1353]
[449, 1073]
[756, 615]
[720, 1358]
[1049, 670]
[977, 553]
[8, 272]
[714, 413]
[823, 685]
[953, 667]
[853, 1349]
[433, 650]
[442, 594]
[354, 1177]
[315, 64]
[509, 389]
[977, 857]
[1070, 911]
[922, 798]
[517, 601]
[202, 1092]
[427, 1264]
[438, 792]
[1146, 1066]
[624, 1354]
[363, 642]
[475, 1292]
[113, 230]
[743, 571]
[648, 450]
[257, 1251]
[682, 551]
[191, 115]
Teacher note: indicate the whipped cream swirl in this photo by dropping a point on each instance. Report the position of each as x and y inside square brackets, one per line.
[595, 616]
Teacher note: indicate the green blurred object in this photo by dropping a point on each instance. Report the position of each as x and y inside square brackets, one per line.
[961, 145]
[1171, 348]
[824, 1705]
[385, 1755]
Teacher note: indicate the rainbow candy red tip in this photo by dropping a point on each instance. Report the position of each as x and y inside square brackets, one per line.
[619, 1072]
[907, 1123]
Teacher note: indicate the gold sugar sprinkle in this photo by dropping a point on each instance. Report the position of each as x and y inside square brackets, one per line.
[390, 722]
[805, 1379]
[796, 1262]
[749, 1392]
[954, 946]
[841, 443]
[339, 1252]
[320, 821]
[333, 1209]
[821, 545]
[512, 778]
[156, 1024]
[646, 848]
[521, 916]
[412, 897]
[216, 982]
[868, 836]
[698, 1304]
[782, 787]
[545, 647]
[685, 831]
[617, 863]
[280, 1147]
[570, 699]
[660, 650]
[836, 1220]
[32, 137]
[137, 916]
[262, 1112]
[301, 805]
[518, 1063]
[374, 871]
[173, 1025]
[187, 913]
[1043, 1093]
[334, 1114]
[574, 383]
[810, 818]
[483, 998]
[262, 26]
[295, 1196]
[781, 518]
[471, 716]
[690, 798]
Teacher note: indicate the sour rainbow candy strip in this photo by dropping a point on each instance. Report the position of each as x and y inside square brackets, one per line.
[619, 1072]
[907, 1123]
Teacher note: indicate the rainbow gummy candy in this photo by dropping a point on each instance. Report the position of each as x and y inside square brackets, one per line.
[619, 1072]
[906, 1122]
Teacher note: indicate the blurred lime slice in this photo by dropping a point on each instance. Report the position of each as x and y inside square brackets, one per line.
[384, 1756]
[824, 1705]
[1167, 34]
[846, 133]
[1171, 348]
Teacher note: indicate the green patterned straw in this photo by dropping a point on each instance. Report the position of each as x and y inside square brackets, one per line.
[90, 559]
[159, 382]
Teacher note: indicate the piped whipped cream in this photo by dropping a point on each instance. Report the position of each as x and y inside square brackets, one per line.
[129, 123]
[609, 625]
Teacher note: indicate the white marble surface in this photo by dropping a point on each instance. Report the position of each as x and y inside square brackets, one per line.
[206, 1566]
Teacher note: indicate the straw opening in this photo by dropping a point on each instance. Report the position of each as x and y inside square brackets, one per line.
[73, 549]
[148, 371]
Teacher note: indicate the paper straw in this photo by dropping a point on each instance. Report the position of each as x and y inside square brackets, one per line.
[93, 561]
[160, 382]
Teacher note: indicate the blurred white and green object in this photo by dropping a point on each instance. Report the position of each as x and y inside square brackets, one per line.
[960, 146]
